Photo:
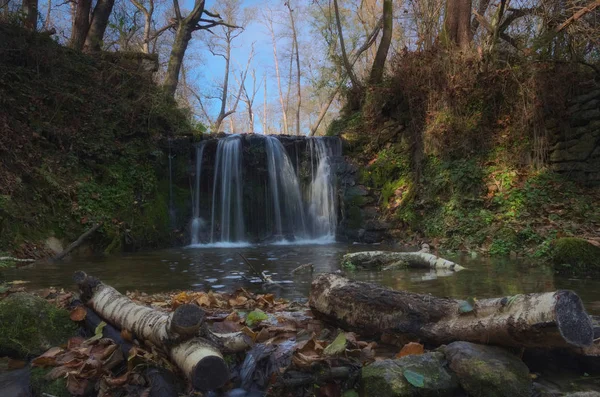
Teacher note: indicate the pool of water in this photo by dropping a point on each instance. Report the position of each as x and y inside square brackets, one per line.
[223, 269]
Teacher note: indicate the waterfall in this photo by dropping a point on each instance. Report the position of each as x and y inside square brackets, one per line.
[322, 205]
[227, 192]
[197, 222]
[288, 209]
[276, 189]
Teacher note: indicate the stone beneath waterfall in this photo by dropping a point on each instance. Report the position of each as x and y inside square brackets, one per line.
[488, 371]
[416, 375]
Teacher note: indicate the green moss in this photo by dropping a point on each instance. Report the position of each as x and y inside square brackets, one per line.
[41, 386]
[575, 256]
[29, 325]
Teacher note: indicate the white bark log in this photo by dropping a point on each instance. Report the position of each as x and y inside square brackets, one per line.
[546, 320]
[199, 360]
[379, 259]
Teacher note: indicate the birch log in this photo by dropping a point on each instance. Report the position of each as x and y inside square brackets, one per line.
[388, 259]
[198, 358]
[548, 320]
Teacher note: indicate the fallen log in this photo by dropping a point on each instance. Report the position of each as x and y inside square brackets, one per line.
[388, 259]
[199, 359]
[547, 320]
[77, 242]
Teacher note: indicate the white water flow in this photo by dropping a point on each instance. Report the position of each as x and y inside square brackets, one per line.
[197, 222]
[288, 210]
[227, 218]
[322, 205]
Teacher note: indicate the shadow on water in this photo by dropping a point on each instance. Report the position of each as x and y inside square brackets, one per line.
[222, 269]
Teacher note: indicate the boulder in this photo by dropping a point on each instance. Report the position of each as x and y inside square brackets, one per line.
[29, 326]
[575, 256]
[488, 371]
[415, 375]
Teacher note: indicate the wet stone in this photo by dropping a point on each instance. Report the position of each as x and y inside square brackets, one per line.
[416, 375]
[488, 371]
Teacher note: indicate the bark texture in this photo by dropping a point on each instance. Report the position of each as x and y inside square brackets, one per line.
[457, 22]
[384, 45]
[382, 259]
[30, 13]
[547, 320]
[98, 25]
[198, 358]
[81, 24]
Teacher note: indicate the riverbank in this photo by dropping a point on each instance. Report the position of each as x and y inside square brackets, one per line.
[294, 354]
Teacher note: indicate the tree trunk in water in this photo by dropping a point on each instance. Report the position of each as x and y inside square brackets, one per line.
[182, 39]
[457, 22]
[547, 320]
[81, 24]
[198, 358]
[384, 44]
[30, 10]
[98, 25]
[381, 259]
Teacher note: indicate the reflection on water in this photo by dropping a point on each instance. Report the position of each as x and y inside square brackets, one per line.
[224, 270]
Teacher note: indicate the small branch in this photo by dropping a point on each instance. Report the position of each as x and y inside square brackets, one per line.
[77, 242]
[578, 15]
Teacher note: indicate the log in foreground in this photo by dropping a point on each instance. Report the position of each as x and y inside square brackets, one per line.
[199, 360]
[547, 320]
[388, 259]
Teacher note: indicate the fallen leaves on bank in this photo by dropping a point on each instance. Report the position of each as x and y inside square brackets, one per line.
[291, 348]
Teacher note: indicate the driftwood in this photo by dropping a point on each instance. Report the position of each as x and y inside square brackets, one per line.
[12, 259]
[388, 259]
[198, 358]
[77, 242]
[546, 320]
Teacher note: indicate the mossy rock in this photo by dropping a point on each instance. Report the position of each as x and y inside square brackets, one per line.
[29, 326]
[40, 386]
[488, 371]
[575, 256]
[415, 375]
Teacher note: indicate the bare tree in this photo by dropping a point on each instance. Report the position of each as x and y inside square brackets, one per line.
[347, 65]
[248, 97]
[30, 12]
[384, 44]
[184, 27]
[98, 24]
[457, 23]
[81, 24]
[298, 73]
[148, 12]
[268, 18]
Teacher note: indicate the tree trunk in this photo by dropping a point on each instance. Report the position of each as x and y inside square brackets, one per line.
[98, 25]
[384, 45]
[30, 11]
[283, 108]
[547, 320]
[457, 23]
[347, 65]
[198, 359]
[180, 44]
[298, 74]
[81, 24]
[381, 259]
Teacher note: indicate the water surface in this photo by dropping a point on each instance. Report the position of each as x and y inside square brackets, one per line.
[222, 269]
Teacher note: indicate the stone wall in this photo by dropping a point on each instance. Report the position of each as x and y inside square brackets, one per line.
[575, 139]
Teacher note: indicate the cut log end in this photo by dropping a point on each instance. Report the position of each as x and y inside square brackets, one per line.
[210, 373]
[187, 320]
[573, 322]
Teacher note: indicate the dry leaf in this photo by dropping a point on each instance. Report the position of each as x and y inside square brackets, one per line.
[126, 335]
[411, 348]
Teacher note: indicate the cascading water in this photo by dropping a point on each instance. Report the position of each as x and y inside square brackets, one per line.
[288, 209]
[197, 222]
[322, 205]
[227, 192]
[260, 195]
